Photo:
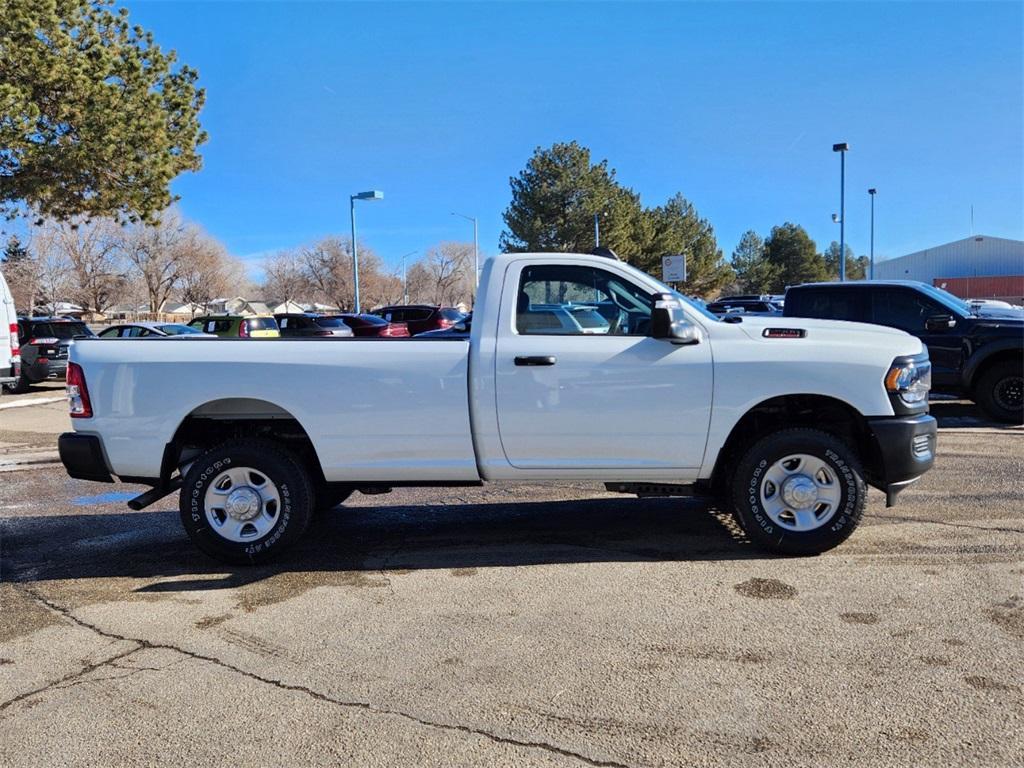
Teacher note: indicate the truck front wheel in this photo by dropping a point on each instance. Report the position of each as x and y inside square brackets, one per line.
[1000, 392]
[246, 501]
[799, 492]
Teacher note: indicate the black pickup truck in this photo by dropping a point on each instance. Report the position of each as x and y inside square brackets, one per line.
[975, 353]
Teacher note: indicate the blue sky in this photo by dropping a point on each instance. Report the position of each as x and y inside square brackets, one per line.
[735, 105]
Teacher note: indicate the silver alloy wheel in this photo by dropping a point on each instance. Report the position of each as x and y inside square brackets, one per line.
[242, 504]
[800, 492]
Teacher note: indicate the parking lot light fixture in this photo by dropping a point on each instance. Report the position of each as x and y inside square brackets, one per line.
[371, 195]
[476, 249]
[842, 148]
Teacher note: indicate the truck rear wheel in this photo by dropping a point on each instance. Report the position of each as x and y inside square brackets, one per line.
[246, 501]
[1000, 392]
[799, 492]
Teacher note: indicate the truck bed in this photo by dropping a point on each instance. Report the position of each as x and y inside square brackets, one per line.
[374, 409]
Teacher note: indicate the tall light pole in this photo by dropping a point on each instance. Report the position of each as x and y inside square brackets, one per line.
[371, 195]
[842, 148]
[871, 273]
[405, 280]
[597, 230]
[476, 250]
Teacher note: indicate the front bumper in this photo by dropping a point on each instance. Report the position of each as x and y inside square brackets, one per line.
[82, 456]
[906, 450]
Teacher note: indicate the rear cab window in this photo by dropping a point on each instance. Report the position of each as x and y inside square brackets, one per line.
[832, 303]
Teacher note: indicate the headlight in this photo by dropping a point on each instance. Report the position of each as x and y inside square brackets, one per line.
[910, 379]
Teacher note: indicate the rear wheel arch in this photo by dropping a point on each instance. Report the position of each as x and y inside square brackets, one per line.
[827, 414]
[985, 362]
[218, 421]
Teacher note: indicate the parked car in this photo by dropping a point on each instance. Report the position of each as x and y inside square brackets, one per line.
[146, 330]
[789, 420]
[460, 330]
[44, 343]
[975, 352]
[420, 318]
[10, 355]
[372, 325]
[308, 324]
[238, 326]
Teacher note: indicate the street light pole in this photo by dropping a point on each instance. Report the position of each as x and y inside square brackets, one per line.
[405, 279]
[842, 148]
[597, 231]
[372, 195]
[476, 249]
[871, 273]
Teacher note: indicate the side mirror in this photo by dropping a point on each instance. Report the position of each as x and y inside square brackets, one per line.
[940, 322]
[668, 321]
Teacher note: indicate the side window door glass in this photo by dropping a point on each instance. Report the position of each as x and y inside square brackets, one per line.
[580, 301]
[903, 309]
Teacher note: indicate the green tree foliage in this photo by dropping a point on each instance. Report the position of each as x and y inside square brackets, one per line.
[754, 273]
[674, 228]
[14, 252]
[794, 258]
[557, 194]
[856, 266]
[555, 198]
[95, 119]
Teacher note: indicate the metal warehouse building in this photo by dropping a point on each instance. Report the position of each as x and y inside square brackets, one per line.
[961, 265]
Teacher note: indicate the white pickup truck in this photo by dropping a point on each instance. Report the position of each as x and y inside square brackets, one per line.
[786, 419]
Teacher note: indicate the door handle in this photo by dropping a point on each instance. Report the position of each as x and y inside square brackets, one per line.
[536, 360]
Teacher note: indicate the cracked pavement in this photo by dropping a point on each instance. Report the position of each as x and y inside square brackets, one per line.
[519, 625]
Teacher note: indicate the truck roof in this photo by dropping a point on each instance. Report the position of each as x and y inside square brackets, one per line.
[860, 283]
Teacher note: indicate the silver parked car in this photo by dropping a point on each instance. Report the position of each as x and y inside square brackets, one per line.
[152, 330]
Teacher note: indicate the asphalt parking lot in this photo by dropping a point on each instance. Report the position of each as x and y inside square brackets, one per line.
[515, 625]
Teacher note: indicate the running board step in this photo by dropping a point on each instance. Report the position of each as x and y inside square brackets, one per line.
[647, 490]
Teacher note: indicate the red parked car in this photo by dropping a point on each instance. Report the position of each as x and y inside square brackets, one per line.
[371, 325]
[420, 317]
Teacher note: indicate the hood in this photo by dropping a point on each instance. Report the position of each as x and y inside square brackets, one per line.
[834, 332]
[1000, 313]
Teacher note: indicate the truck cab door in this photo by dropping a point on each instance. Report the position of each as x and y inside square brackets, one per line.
[581, 384]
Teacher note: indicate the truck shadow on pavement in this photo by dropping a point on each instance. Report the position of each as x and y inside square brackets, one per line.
[379, 538]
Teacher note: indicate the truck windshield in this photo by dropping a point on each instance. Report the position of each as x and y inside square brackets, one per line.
[697, 306]
[947, 298]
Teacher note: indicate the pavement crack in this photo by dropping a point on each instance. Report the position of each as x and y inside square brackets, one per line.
[901, 519]
[71, 679]
[142, 644]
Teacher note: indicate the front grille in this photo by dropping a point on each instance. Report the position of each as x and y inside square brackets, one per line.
[922, 446]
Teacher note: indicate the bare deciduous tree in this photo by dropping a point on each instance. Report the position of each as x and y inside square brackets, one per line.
[444, 275]
[157, 252]
[92, 250]
[206, 271]
[285, 277]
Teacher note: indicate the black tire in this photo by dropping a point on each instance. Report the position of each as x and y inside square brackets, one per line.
[1000, 392]
[267, 458]
[330, 496]
[750, 476]
[19, 387]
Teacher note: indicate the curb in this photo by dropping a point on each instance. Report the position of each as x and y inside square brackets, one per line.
[32, 401]
[26, 461]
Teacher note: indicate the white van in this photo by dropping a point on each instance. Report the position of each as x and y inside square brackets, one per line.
[10, 359]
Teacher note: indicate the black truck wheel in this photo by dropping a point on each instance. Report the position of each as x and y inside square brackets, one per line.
[19, 387]
[246, 501]
[1000, 391]
[799, 492]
